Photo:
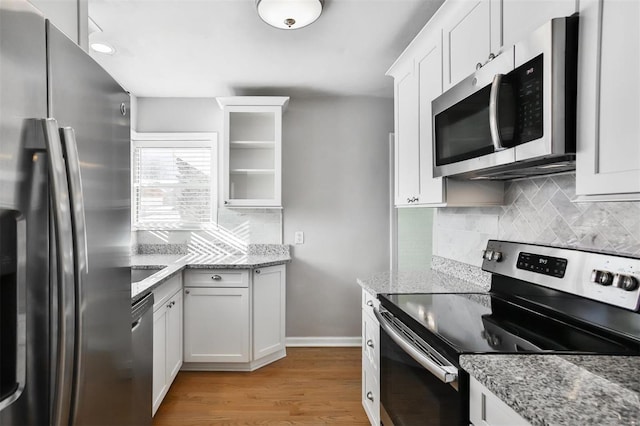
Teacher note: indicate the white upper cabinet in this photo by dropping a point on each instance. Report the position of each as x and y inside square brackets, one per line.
[418, 76]
[407, 149]
[252, 145]
[469, 36]
[608, 153]
[521, 17]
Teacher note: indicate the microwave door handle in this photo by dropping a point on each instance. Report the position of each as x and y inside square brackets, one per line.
[494, 108]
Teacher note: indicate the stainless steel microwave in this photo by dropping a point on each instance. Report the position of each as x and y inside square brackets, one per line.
[516, 115]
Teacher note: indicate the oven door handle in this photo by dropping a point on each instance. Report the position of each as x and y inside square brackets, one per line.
[445, 373]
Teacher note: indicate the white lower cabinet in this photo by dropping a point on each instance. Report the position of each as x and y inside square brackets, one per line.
[370, 359]
[235, 319]
[216, 324]
[486, 409]
[167, 337]
[268, 311]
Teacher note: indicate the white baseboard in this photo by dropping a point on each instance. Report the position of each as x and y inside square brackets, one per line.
[323, 341]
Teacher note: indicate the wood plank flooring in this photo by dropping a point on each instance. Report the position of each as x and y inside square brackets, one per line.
[311, 386]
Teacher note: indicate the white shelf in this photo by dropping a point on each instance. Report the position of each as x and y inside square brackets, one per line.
[252, 171]
[252, 144]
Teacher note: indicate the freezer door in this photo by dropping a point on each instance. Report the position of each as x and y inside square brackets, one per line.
[24, 227]
[84, 97]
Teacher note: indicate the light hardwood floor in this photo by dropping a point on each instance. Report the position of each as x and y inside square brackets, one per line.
[311, 386]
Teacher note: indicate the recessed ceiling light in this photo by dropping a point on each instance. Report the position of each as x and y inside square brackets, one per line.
[103, 48]
[289, 14]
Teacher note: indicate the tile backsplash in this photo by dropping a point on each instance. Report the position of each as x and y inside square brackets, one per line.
[538, 211]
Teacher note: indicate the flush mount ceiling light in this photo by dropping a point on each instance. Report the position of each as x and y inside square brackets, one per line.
[103, 48]
[289, 14]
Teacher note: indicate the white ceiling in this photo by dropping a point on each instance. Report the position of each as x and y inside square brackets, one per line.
[207, 48]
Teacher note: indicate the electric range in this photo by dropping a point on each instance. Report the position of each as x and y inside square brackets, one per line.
[543, 300]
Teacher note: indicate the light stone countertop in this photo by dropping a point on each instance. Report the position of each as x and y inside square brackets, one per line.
[563, 389]
[170, 265]
[418, 282]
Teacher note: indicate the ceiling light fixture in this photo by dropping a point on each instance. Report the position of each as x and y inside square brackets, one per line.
[289, 14]
[103, 48]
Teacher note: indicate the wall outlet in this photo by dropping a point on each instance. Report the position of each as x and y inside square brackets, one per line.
[298, 237]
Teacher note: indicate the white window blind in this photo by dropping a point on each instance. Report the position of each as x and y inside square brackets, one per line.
[173, 186]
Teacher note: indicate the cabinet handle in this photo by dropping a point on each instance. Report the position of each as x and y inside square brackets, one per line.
[257, 271]
[370, 396]
[370, 343]
[216, 278]
[370, 303]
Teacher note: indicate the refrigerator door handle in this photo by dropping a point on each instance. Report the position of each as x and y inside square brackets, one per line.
[65, 345]
[79, 231]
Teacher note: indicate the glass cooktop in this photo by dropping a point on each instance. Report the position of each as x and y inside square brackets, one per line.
[482, 323]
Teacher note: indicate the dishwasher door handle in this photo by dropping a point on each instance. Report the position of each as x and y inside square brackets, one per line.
[444, 373]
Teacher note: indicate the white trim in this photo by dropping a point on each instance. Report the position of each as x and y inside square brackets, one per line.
[324, 341]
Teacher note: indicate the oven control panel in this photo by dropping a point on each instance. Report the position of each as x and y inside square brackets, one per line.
[605, 277]
[547, 265]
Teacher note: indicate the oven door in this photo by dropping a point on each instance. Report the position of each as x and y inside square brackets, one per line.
[418, 386]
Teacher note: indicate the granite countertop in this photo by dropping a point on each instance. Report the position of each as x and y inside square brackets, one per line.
[170, 265]
[563, 389]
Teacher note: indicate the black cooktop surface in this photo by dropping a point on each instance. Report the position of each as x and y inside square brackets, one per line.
[484, 323]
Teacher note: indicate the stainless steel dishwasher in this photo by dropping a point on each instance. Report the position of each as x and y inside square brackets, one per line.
[142, 340]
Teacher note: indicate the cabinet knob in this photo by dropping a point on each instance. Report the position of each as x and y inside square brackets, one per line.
[478, 66]
[257, 271]
[169, 305]
[216, 278]
[370, 396]
[370, 343]
[491, 57]
[369, 302]
[173, 302]
[226, 202]
[187, 292]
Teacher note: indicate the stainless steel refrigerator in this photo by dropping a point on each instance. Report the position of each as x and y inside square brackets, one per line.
[65, 301]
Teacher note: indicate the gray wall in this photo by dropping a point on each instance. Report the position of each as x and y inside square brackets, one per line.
[335, 189]
[538, 211]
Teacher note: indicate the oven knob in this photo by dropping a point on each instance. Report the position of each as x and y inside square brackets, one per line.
[601, 277]
[497, 256]
[487, 254]
[625, 282]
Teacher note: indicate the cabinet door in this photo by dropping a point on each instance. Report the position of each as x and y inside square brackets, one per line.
[467, 38]
[486, 409]
[608, 153]
[268, 310]
[174, 337]
[370, 339]
[216, 324]
[407, 149]
[370, 393]
[253, 156]
[521, 17]
[429, 69]
[160, 382]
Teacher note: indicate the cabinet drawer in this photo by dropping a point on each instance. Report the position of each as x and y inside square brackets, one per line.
[369, 302]
[370, 393]
[370, 339]
[162, 294]
[216, 278]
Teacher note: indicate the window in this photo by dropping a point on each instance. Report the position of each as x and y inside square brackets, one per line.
[174, 183]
